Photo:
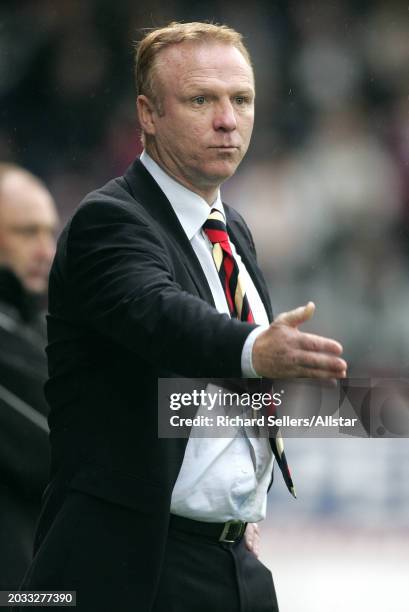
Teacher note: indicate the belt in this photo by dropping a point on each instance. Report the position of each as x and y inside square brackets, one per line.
[228, 532]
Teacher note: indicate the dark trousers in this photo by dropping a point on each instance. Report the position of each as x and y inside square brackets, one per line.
[104, 552]
[203, 575]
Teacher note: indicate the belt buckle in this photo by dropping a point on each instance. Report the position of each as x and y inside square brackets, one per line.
[232, 530]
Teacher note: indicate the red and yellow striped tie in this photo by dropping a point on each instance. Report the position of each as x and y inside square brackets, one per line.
[229, 273]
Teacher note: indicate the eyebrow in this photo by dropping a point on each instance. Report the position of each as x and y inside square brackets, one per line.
[205, 89]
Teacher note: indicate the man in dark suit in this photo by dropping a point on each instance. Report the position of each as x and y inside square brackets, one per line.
[155, 277]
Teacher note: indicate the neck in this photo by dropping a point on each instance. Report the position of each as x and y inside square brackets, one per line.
[208, 193]
[13, 293]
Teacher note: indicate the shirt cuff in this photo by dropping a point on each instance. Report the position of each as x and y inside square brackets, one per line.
[247, 353]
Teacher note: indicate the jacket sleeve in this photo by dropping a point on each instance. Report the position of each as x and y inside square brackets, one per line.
[122, 284]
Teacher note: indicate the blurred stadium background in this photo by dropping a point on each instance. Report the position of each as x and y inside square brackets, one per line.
[325, 189]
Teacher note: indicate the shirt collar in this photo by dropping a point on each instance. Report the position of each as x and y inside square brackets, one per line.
[190, 208]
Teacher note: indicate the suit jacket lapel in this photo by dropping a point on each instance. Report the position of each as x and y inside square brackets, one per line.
[148, 193]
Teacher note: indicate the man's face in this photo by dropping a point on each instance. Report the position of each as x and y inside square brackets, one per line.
[28, 222]
[206, 93]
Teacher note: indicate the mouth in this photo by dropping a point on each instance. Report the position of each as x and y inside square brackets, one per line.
[226, 148]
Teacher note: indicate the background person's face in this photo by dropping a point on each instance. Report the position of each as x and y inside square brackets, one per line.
[28, 222]
[207, 98]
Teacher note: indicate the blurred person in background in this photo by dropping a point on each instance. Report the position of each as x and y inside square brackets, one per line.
[28, 221]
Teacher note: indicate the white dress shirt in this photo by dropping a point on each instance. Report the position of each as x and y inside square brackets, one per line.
[220, 478]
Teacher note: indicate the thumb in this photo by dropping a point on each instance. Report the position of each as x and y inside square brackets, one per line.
[296, 317]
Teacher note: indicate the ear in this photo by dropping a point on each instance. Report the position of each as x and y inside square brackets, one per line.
[147, 114]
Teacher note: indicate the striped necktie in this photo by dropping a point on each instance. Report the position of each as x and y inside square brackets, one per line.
[277, 445]
[227, 267]
[239, 307]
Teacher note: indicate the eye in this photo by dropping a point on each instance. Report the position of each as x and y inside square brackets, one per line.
[26, 231]
[240, 100]
[199, 100]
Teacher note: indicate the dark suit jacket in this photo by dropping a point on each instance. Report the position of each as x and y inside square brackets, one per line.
[128, 303]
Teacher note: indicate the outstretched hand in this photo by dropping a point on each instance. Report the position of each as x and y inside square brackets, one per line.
[283, 351]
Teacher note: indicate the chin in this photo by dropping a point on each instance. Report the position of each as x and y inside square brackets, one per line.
[221, 170]
[36, 288]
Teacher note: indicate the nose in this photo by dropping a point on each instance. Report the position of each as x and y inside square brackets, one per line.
[45, 247]
[225, 118]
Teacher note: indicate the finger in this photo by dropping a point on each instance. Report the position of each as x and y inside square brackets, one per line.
[297, 316]
[311, 342]
[252, 538]
[256, 542]
[249, 542]
[250, 534]
[322, 374]
[320, 361]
